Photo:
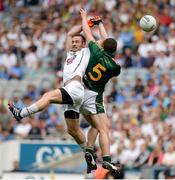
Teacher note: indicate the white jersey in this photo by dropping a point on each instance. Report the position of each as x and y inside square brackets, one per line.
[75, 64]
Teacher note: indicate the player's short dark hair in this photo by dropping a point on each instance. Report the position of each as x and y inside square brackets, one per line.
[80, 35]
[110, 45]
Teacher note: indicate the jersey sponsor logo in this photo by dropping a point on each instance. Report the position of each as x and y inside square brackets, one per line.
[79, 62]
[70, 60]
[98, 71]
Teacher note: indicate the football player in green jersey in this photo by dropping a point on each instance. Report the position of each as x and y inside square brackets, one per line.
[101, 68]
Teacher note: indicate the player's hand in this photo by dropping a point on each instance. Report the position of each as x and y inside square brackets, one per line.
[96, 20]
[83, 13]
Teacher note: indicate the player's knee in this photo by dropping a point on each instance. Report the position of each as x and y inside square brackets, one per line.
[52, 96]
[103, 129]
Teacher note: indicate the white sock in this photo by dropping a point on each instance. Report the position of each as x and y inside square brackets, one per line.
[27, 111]
[83, 147]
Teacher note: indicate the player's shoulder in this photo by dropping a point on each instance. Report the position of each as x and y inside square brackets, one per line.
[93, 43]
[86, 50]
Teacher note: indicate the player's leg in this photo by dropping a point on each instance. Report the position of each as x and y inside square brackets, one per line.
[71, 114]
[93, 104]
[88, 106]
[73, 128]
[101, 123]
[90, 155]
[58, 96]
[76, 132]
[92, 134]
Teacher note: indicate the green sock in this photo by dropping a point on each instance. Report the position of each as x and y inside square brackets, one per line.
[107, 158]
[90, 150]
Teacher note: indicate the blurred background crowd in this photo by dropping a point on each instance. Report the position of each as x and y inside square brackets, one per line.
[140, 103]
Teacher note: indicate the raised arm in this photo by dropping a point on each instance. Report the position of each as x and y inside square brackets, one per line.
[103, 33]
[85, 26]
[74, 30]
[98, 21]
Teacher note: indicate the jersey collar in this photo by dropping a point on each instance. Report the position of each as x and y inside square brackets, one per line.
[110, 54]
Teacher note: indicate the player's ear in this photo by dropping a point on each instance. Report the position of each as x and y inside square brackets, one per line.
[84, 44]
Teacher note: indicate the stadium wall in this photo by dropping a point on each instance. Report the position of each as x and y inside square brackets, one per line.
[9, 152]
[41, 156]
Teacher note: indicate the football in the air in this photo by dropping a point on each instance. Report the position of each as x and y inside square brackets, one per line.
[148, 23]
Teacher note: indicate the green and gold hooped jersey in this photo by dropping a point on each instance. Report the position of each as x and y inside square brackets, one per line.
[100, 69]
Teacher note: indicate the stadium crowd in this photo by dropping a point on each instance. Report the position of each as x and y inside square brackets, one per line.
[140, 103]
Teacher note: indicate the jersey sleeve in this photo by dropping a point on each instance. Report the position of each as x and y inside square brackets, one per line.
[94, 48]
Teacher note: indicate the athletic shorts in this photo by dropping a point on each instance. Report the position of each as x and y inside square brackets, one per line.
[76, 91]
[92, 103]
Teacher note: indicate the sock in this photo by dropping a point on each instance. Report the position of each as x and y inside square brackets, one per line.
[90, 150]
[27, 111]
[82, 146]
[107, 158]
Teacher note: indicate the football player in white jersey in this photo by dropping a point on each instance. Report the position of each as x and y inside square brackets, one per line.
[72, 93]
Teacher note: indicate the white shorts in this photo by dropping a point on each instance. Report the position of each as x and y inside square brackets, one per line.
[92, 103]
[76, 91]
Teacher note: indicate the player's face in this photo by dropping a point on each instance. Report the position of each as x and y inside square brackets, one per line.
[77, 43]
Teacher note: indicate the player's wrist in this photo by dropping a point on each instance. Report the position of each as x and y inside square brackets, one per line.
[100, 23]
[96, 20]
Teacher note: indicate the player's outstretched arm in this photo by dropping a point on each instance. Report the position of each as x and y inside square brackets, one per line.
[74, 30]
[85, 26]
[103, 32]
[97, 20]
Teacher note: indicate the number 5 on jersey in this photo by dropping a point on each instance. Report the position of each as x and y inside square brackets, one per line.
[98, 70]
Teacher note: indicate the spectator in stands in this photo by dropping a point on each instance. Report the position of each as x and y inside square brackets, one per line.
[131, 154]
[143, 157]
[169, 156]
[8, 58]
[43, 127]
[16, 99]
[3, 72]
[139, 86]
[156, 156]
[32, 92]
[15, 72]
[35, 131]
[22, 129]
[163, 61]
[31, 60]
[128, 58]
[5, 134]
[127, 37]
[54, 124]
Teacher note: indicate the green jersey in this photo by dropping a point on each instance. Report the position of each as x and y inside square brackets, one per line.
[100, 69]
